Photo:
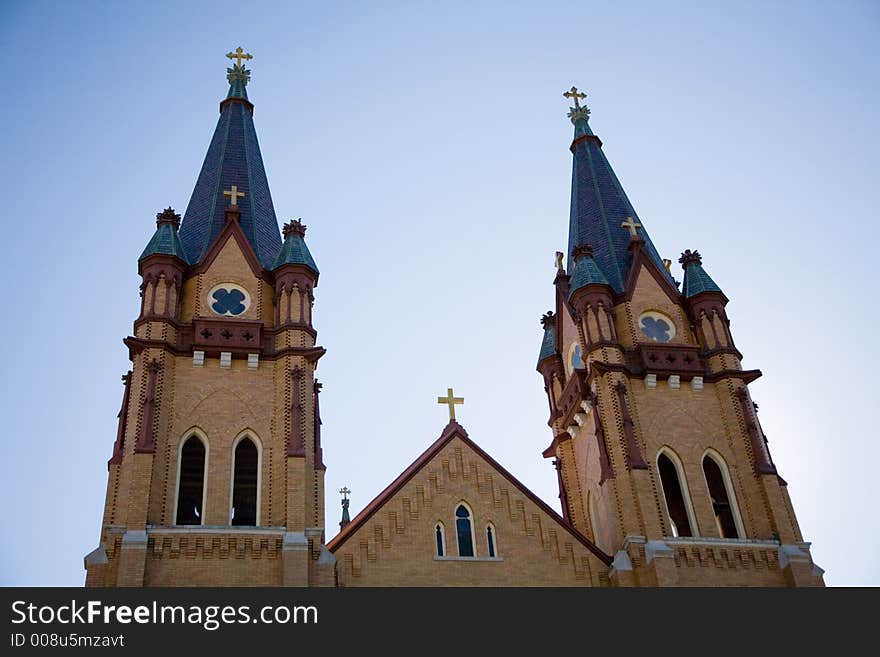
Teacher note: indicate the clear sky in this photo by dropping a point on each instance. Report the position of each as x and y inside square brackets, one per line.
[426, 147]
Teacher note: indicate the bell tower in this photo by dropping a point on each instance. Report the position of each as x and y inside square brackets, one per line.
[661, 457]
[216, 476]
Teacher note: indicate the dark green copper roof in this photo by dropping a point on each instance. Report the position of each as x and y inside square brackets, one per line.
[548, 344]
[233, 158]
[586, 271]
[599, 206]
[696, 280]
[165, 240]
[294, 250]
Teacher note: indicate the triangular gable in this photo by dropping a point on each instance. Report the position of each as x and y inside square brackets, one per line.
[232, 230]
[640, 260]
[455, 430]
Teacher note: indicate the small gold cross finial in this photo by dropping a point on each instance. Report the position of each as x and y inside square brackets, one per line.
[344, 492]
[233, 195]
[239, 54]
[631, 226]
[450, 400]
[574, 94]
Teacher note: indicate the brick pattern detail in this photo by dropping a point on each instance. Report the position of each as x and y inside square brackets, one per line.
[396, 546]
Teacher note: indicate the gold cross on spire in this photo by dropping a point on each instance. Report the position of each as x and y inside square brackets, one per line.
[233, 195]
[450, 401]
[575, 95]
[631, 226]
[239, 54]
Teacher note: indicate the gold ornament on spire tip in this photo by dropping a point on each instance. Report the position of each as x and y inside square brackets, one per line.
[450, 400]
[575, 95]
[239, 54]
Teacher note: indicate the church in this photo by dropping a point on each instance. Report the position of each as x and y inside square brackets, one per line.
[216, 475]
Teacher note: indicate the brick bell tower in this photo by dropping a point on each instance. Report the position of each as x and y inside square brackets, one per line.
[216, 476]
[659, 450]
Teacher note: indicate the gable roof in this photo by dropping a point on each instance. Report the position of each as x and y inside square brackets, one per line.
[455, 430]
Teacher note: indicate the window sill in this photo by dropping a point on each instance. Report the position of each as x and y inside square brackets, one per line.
[213, 529]
[436, 558]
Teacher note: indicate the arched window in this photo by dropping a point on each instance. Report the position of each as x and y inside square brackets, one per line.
[723, 499]
[464, 529]
[490, 541]
[440, 537]
[675, 494]
[246, 462]
[191, 482]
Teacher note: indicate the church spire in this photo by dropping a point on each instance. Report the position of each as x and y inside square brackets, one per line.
[696, 280]
[232, 174]
[599, 206]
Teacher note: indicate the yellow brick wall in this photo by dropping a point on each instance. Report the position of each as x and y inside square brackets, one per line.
[397, 546]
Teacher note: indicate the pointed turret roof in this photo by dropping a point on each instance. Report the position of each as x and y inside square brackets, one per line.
[599, 205]
[696, 280]
[165, 240]
[233, 159]
[586, 271]
[548, 344]
[294, 250]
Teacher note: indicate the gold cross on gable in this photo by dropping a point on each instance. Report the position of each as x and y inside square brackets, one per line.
[575, 95]
[239, 54]
[450, 401]
[344, 492]
[631, 226]
[233, 195]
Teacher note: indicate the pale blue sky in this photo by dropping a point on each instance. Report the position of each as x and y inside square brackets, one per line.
[426, 147]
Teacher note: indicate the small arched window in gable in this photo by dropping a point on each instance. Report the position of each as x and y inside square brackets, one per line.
[244, 484]
[723, 500]
[440, 537]
[674, 495]
[464, 529]
[191, 482]
[490, 541]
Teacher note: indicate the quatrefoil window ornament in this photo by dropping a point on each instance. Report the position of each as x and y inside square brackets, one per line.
[657, 327]
[228, 299]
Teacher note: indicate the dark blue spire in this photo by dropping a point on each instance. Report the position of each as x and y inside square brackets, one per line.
[599, 206]
[233, 158]
[165, 240]
[548, 344]
[294, 250]
[696, 280]
[586, 271]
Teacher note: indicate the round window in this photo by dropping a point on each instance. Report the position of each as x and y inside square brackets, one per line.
[228, 299]
[656, 326]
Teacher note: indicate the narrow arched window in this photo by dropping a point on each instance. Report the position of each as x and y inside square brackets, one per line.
[244, 484]
[191, 482]
[464, 530]
[673, 493]
[722, 498]
[441, 539]
[490, 540]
